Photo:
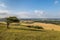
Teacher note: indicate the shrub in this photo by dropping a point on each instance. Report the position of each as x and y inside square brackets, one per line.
[29, 26]
[37, 27]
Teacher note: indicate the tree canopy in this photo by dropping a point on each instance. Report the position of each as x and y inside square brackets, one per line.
[11, 20]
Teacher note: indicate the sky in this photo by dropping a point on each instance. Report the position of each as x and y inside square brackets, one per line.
[30, 8]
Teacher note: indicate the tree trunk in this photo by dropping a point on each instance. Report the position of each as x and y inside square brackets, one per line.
[8, 25]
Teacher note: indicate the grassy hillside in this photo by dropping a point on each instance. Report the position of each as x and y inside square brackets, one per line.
[25, 33]
[21, 32]
[15, 34]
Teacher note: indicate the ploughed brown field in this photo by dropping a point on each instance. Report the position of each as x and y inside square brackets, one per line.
[45, 26]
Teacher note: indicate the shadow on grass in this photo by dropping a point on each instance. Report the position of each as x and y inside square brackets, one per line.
[30, 29]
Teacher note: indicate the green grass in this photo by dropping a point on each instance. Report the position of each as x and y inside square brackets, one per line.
[15, 34]
[25, 33]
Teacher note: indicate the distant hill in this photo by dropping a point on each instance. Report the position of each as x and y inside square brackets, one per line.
[41, 19]
[3, 19]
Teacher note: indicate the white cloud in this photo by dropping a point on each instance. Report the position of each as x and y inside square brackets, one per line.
[4, 13]
[56, 2]
[2, 5]
[34, 14]
[39, 13]
[24, 15]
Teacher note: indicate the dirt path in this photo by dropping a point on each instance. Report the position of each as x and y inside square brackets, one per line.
[46, 26]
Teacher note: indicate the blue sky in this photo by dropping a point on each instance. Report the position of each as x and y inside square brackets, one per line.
[30, 8]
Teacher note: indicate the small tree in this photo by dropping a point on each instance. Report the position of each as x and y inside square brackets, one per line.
[11, 20]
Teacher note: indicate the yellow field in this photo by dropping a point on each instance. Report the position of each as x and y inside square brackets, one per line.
[22, 32]
[46, 26]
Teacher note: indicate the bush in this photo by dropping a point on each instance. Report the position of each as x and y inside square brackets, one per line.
[29, 26]
[37, 27]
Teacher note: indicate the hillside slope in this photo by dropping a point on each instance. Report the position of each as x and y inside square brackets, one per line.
[46, 26]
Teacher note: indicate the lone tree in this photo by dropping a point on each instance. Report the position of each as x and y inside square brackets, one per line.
[11, 20]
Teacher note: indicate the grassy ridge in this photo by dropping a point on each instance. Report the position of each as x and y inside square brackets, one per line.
[13, 34]
[57, 22]
[24, 33]
[18, 34]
